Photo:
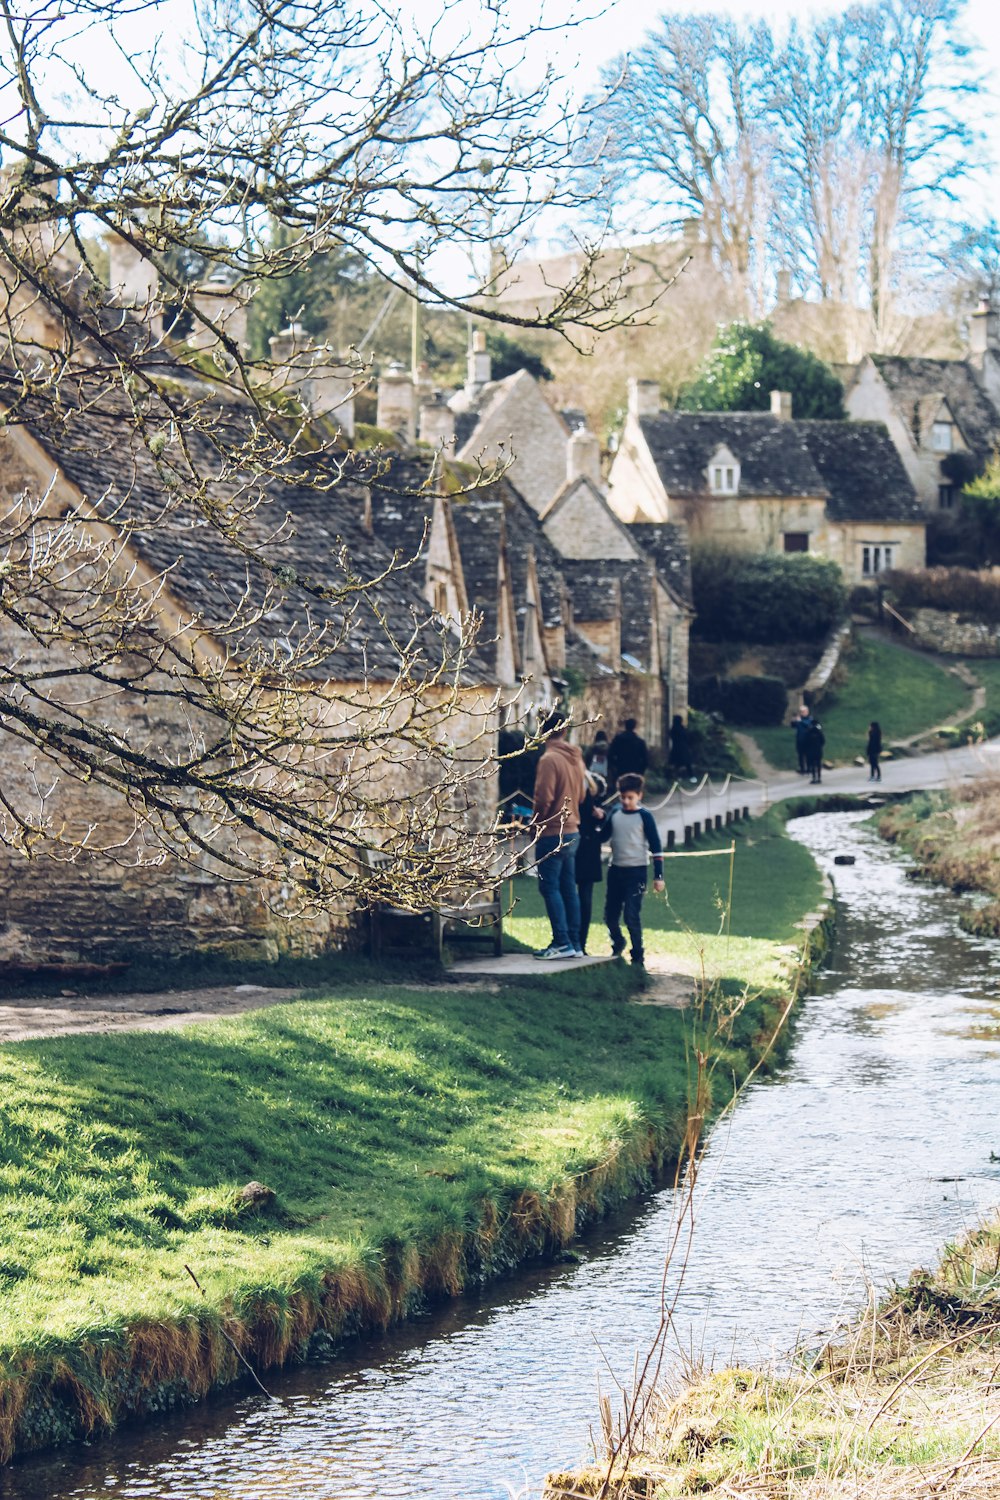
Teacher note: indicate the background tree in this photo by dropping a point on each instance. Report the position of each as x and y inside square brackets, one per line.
[373, 146]
[748, 363]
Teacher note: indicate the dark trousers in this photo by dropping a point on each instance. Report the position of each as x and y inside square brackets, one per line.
[626, 888]
[876, 770]
[585, 890]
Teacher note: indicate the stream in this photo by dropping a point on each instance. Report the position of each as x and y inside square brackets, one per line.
[876, 1142]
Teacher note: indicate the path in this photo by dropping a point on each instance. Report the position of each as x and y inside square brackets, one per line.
[25, 1019]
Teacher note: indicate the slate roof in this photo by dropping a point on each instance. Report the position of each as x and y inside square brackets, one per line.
[480, 531]
[668, 544]
[918, 385]
[524, 532]
[772, 454]
[314, 536]
[862, 472]
[595, 592]
[638, 607]
[402, 505]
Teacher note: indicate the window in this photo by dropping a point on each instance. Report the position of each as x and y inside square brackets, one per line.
[941, 440]
[796, 541]
[723, 472]
[946, 496]
[875, 559]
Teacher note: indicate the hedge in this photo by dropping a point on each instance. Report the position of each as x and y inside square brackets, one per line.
[764, 598]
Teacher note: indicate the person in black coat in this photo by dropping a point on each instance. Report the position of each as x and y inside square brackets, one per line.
[815, 740]
[680, 747]
[874, 750]
[627, 754]
[588, 851]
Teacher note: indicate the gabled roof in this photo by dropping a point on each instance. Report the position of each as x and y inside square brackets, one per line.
[636, 582]
[310, 536]
[862, 471]
[524, 532]
[915, 384]
[595, 592]
[480, 528]
[668, 544]
[772, 455]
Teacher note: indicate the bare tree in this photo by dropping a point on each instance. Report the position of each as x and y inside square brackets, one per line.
[198, 626]
[685, 118]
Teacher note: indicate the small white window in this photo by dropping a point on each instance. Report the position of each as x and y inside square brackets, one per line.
[729, 480]
[875, 559]
[723, 473]
[941, 437]
[717, 479]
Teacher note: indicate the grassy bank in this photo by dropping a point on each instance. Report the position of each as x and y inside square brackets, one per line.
[407, 1141]
[901, 1407]
[905, 692]
[954, 837]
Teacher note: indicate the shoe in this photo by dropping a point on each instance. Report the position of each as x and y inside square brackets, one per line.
[552, 952]
[617, 952]
[578, 953]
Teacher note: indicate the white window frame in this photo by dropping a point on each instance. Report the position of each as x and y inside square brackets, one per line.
[876, 558]
[724, 475]
[942, 437]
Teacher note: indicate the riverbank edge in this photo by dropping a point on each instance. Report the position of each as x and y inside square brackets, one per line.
[900, 1402]
[926, 826]
[92, 1387]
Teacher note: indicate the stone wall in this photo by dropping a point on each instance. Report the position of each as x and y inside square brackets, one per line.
[951, 633]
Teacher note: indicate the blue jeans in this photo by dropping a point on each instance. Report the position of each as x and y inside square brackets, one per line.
[556, 860]
[626, 888]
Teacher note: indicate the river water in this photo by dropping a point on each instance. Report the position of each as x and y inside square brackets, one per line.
[878, 1140]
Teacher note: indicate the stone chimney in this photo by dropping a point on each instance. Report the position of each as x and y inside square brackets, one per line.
[583, 457]
[984, 329]
[479, 366]
[135, 282]
[781, 405]
[220, 303]
[395, 402]
[324, 385]
[783, 284]
[643, 397]
[437, 423]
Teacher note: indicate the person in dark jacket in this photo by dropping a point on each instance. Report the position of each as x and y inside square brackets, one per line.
[874, 750]
[815, 740]
[802, 724]
[588, 851]
[596, 758]
[680, 747]
[627, 754]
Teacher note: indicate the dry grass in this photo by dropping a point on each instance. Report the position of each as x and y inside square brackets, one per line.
[955, 839]
[903, 1406]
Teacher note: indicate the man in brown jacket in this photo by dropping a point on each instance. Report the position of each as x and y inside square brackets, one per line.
[560, 784]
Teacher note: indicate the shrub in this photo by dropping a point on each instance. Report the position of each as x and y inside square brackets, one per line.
[747, 363]
[764, 597]
[742, 700]
[966, 591]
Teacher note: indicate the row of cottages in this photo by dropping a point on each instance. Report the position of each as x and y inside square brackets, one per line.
[764, 482]
[943, 415]
[571, 599]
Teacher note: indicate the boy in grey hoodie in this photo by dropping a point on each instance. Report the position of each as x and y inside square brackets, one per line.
[634, 836]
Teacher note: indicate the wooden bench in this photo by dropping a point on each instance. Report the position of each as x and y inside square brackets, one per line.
[401, 930]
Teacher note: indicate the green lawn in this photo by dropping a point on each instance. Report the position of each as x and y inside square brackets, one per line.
[905, 692]
[775, 881]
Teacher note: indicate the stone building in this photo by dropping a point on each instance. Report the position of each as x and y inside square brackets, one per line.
[943, 415]
[763, 482]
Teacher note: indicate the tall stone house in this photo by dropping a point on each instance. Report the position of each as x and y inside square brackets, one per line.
[764, 482]
[943, 415]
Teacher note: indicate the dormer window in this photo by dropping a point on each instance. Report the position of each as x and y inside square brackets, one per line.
[723, 473]
[942, 437]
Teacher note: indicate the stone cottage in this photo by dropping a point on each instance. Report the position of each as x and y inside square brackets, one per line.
[763, 482]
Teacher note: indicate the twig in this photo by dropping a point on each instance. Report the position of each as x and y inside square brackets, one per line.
[232, 1343]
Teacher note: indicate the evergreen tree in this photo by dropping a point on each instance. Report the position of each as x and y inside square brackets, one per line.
[747, 363]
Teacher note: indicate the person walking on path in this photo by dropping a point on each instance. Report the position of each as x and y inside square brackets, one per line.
[596, 758]
[802, 725]
[627, 754]
[815, 740]
[588, 852]
[680, 747]
[874, 750]
[634, 837]
[560, 786]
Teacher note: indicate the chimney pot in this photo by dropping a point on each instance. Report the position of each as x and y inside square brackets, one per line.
[583, 457]
[781, 405]
[643, 398]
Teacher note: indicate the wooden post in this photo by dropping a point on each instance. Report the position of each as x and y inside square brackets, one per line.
[718, 820]
[671, 839]
[688, 836]
[696, 830]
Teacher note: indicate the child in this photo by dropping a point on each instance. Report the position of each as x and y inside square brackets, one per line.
[634, 837]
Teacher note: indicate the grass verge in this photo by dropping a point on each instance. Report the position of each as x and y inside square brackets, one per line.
[902, 1406]
[907, 693]
[326, 1167]
[954, 837]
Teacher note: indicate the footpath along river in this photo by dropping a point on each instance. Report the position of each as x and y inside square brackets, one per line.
[876, 1142]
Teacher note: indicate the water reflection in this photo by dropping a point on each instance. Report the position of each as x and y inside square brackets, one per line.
[871, 1148]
